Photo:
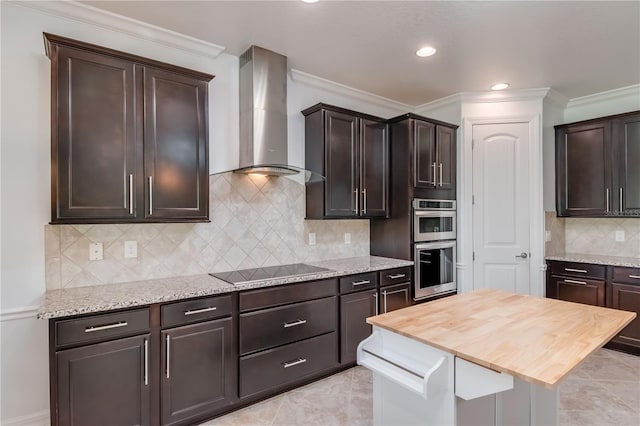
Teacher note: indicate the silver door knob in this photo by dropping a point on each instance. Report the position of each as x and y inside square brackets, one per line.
[522, 255]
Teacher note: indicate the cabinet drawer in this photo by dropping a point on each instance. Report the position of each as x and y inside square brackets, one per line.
[287, 364]
[578, 269]
[587, 291]
[195, 310]
[358, 282]
[395, 297]
[626, 275]
[291, 293]
[396, 275]
[100, 327]
[276, 326]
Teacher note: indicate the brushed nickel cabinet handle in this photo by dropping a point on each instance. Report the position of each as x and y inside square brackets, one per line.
[150, 195]
[582, 271]
[168, 343]
[637, 277]
[396, 276]
[130, 194]
[440, 172]
[607, 200]
[375, 296]
[363, 282]
[200, 311]
[296, 362]
[575, 282]
[146, 362]
[364, 201]
[105, 327]
[435, 181]
[384, 302]
[357, 195]
[621, 200]
[294, 323]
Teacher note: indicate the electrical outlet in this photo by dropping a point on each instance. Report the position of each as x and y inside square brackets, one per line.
[547, 236]
[130, 249]
[619, 236]
[312, 238]
[347, 237]
[95, 251]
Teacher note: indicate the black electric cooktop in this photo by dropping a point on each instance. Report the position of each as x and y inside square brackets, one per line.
[244, 276]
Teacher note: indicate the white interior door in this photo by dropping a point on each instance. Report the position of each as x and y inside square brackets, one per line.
[501, 206]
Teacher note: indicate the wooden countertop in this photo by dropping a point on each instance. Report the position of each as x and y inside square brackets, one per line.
[535, 339]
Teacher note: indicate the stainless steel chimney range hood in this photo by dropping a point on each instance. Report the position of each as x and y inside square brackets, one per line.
[263, 113]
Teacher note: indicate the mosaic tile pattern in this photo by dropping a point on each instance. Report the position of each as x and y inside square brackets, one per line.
[597, 236]
[603, 391]
[255, 221]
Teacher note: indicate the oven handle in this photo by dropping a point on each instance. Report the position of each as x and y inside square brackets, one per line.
[436, 245]
[435, 213]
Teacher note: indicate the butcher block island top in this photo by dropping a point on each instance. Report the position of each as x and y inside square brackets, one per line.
[535, 339]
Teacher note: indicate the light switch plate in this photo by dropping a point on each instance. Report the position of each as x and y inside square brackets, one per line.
[312, 238]
[347, 237]
[130, 249]
[619, 236]
[95, 251]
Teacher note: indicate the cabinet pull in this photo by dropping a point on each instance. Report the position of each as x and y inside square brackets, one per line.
[575, 282]
[440, 172]
[621, 202]
[105, 327]
[375, 296]
[168, 344]
[294, 323]
[130, 194]
[384, 302]
[200, 311]
[363, 282]
[435, 181]
[404, 290]
[150, 195]
[292, 363]
[607, 200]
[357, 195]
[146, 362]
[637, 277]
[582, 271]
[396, 276]
[364, 201]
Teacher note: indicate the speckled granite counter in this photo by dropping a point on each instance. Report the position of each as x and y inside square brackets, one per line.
[597, 259]
[83, 300]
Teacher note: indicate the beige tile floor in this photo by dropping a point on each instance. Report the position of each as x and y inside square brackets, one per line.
[604, 390]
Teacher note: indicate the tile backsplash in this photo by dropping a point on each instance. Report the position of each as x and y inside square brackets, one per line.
[255, 221]
[598, 236]
[554, 225]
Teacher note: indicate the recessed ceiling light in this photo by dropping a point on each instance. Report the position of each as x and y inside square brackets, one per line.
[311, 1]
[426, 51]
[499, 86]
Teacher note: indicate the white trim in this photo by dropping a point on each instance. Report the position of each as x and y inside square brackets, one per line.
[19, 313]
[124, 25]
[609, 95]
[505, 95]
[440, 103]
[556, 98]
[341, 89]
[41, 418]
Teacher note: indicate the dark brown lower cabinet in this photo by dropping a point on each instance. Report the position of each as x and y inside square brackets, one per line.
[198, 370]
[627, 298]
[355, 308]
[395, 297]
[104, 383]
[579, 290]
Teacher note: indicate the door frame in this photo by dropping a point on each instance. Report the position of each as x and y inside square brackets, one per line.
[537, 266]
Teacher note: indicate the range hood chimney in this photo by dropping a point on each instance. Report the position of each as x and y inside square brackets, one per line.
[263, 113]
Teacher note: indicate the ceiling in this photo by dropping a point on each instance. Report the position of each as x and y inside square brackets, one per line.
[576, 47]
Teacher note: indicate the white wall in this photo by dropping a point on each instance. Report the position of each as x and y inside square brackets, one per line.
[552, 114]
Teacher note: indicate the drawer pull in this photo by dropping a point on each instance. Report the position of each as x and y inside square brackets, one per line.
[396, 276]
[294, 323]
[575, 282]
[363, 282]
[296, 362]
[200, 311]
[635, 276]
[582, 271]
[105, 327]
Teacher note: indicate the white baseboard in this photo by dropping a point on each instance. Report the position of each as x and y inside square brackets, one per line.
[19, 313]
[41, 418]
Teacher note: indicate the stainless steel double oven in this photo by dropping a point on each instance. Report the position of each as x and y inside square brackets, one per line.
[434, 245]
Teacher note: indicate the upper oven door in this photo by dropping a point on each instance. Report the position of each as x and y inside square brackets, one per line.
[434, 225]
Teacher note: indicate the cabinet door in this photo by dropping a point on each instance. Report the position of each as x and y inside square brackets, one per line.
[341, 144]
[627, 298]
[627, 138]
[354, 310]
[579, 290]
[425, 163]
[583, 175]
[199, 370]
[93, 163]
[395, 297]
[175, 146]
[446, 157]
[104, 384]
[374, 166]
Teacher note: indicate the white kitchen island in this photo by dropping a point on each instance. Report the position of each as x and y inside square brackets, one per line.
[486, 357]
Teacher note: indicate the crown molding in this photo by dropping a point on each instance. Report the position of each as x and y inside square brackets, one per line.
[505, 95]
[609, 95]
[121, 24]
[19, 313]
[341, 89]
[456, 98]
[557, 99]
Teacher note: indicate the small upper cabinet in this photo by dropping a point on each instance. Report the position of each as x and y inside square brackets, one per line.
[595, 167]
[128, 137]
[351, 150]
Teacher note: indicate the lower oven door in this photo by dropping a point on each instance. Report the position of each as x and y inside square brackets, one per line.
[435, 268]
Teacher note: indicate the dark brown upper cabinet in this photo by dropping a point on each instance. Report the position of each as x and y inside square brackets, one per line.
[129, 139]
[595, 167]
[351, 150]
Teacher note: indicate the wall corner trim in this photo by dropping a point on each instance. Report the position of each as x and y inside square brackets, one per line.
[609, 95]
[111, 21]
[19, 313]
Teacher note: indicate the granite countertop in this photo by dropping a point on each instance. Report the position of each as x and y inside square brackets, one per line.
[633, 262]
[84, 300]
